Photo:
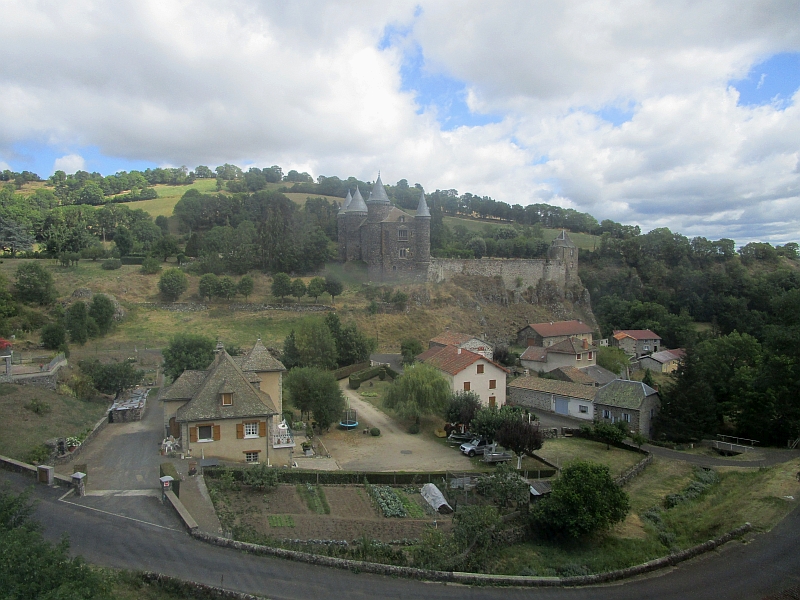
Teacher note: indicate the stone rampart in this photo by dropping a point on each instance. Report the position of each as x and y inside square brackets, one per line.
[528, 271]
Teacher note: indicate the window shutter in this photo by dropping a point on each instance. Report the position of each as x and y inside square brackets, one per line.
[240, 431]
[192, 434]
[262, 429]
[216, 433]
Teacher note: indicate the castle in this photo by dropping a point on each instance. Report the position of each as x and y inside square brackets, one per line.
[397, 246]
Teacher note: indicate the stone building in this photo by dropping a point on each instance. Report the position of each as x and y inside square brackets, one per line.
[393, 243]
[631, 402]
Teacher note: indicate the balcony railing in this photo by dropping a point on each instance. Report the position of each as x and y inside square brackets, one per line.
[282, 436]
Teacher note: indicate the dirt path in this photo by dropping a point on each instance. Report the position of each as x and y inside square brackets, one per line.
[394, 450]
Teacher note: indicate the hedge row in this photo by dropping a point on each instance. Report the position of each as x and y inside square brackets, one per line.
[343, 372]
[294, 476]
[132, 260]
[356, 379]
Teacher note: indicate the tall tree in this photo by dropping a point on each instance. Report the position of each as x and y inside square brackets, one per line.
[102, 310]
[172, 284]
[187, 351]
[316, 346]
[421, 390]
[34, 284]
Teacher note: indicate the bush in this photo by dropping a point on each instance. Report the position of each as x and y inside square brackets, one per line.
[414, 428]
[111, 264]
[39, 454]
[54, 336]
[374, 432]
[150, 266]
[172, 284]
[38, 407]
[261, 477]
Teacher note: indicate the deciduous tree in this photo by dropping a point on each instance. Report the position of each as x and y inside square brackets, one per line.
[421, 390]
[187, 351]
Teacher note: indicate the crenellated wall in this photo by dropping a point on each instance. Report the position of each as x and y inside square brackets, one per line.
[529, 270]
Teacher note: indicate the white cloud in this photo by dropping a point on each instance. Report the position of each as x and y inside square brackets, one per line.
[306, 86]
[69, 163]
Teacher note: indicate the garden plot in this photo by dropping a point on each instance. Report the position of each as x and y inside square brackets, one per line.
[286, 513]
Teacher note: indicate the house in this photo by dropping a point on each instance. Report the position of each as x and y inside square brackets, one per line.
[631, 402]
[600, 375]
[560, 397]
[231, 410]
[665, 361]
[636, 342]
[463, 340]
[571, 352]
[547, 334]
[470, 372]
[572, 375]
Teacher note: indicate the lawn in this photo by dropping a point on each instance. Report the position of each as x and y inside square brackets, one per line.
[22, 430]
[563, 450]
[168, 196]
[584, 241]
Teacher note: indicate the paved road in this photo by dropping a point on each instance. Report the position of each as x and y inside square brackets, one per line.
[767, 564]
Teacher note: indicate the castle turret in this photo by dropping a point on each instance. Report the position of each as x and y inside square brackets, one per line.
[562, 248]
[341, 227]
[422, 224]
[356, 214]
[378, 202]
[378, 207]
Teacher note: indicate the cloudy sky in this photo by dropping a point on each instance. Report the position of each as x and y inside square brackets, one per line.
[668, 113]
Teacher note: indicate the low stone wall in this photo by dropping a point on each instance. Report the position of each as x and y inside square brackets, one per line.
[44, 380]
[198, 590]
[634, 471]
[69, 456]
[9, 464]
[476, 578]
[242, 307]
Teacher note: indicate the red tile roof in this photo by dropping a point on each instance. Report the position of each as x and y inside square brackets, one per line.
[637, 334]
[536, 353]
[452, 360]
[560, 328]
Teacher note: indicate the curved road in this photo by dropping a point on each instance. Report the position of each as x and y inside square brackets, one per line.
[769, 563]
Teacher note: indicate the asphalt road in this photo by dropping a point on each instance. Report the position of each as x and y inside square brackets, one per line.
[765, 565]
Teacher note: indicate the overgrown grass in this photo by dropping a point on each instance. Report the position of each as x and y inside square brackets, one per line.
[23, 431]
[280, 520]
[563, 450]
[314, 497]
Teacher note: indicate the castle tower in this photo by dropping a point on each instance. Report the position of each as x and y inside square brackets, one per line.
[341, 227]
[378, 207]
[422, 250]
[356, 214]
[564, 249]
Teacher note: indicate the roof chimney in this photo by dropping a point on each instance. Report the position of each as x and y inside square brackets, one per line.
[220, 347]
[459, 350]
[585, 344]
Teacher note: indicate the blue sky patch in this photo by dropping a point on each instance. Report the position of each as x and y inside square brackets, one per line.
[39, 158]
[773, 81]
[616, 114]
[446, 94]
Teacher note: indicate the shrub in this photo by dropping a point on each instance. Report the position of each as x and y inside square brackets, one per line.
[414, 428]
[150, 266]
[172, 284]
[261, 477]
[54, 336]
[39, 454]
[374, 432]
[111, 264]
[38, 407]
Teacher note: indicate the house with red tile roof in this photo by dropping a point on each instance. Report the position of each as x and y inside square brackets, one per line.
[469, 371]
[636, 342]
[547, 334]
[571, 352]
[462, 340]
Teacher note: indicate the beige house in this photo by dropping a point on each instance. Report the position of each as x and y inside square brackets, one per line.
[572, 352]
[469, 371]
[548, 334]
[230, 411]
[666, 361]
[636, 342]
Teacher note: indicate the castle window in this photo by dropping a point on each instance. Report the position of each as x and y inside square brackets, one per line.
[403, 252]
[572, 251]
[402, 219]
[402, 235]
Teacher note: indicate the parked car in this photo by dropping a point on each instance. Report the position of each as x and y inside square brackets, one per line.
[475, 446]
[460, 438]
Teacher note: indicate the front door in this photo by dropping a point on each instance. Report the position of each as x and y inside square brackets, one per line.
[492, 401]
[174, 428]
[562, 406]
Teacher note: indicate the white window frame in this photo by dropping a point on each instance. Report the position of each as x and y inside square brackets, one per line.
[606, 413]
[253, 427]
[583, 408]
[578, 356]
[251, 458]
[626, 417]
[210, 437]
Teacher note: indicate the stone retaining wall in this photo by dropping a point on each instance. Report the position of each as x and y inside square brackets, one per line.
[476, 578]
[529, 270]
[634, 471]
[69, 456]
[199, 590]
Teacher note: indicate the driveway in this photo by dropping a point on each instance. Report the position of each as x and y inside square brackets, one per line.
[394, 450]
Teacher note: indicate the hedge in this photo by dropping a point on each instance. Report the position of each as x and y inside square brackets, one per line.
[343, 372]
[132, 260]
[167, 468]
[356, 379]
[338, 477]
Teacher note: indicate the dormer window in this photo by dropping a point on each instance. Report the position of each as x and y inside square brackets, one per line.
[227, 399]
[402, 219]
[402, 235]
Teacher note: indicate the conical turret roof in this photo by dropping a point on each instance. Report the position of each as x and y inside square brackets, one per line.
[357, 204]
[378, 193]
[422, 207]
[345, 205]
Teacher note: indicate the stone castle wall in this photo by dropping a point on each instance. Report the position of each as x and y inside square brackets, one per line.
[529, 270]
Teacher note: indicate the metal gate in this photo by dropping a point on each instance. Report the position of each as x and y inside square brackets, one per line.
[562, 406]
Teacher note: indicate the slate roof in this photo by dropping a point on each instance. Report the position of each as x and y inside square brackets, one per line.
[422, 207]
[347, 200]
[395, 214]
[357, 204]
[560, 328]
[666, 356]
[599, 374]
[534, 353]
[259, 359]
[452, 338]
[570, 346]
[622, 393]
[378, 193]
[574, 375]
[553, 386]
[224, 375]
[637, 334]
[453, 360]
[184, 386]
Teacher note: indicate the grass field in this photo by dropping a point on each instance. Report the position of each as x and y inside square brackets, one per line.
[22, 430]
[563, 450]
